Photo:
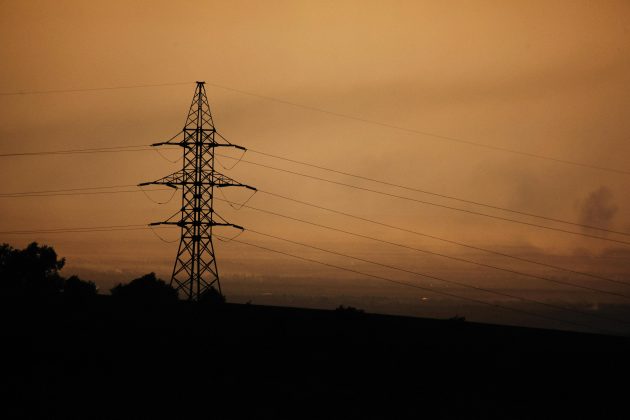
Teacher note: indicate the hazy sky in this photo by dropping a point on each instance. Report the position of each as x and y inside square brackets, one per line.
[549, 78]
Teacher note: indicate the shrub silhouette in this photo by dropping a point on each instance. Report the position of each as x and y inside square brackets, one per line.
[348, 312]
[457, 318]
[349, 309]
[75, 288]
[212, 296]
[147, 288]
[32, 271]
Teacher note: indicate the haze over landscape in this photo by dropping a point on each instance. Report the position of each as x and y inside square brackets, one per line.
[545, 79]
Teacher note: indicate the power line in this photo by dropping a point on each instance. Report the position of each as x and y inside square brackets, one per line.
[469, 286]
[69, 189]
[505, 219]
[489, 251]
[75, 152]
[152, 229]
[337, 114]
[45, 92]
[240, 205]
[84, 193]
[174, 191]
[391, 184]
[117, 228]
[142, 148]
[427, 289]
[112, 149]
[591, 289]
[424, 133]
[75, 229]
[117, 149]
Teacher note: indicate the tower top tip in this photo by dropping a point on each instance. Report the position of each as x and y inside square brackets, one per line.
[201, 82]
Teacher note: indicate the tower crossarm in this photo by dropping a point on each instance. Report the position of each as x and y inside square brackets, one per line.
[216, 180]
[207, 139]
[210, 223]
[193, 144]
[221, 181]
[172, 180]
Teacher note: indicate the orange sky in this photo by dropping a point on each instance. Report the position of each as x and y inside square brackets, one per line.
[549, 78]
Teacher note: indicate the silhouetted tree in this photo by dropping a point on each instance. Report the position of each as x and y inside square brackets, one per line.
[32, 271]
[75, 288]
[349, 309]
[212, 296]
[348, 312]
[147, 288]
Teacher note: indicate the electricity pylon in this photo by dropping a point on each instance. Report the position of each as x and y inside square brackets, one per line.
[195, 272]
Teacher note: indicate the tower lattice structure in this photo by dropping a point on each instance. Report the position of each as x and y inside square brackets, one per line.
[195, 271]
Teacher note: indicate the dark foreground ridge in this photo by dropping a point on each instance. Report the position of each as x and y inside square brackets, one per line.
[107, 358]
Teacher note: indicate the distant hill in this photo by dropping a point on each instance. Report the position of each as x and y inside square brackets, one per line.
[108, 358]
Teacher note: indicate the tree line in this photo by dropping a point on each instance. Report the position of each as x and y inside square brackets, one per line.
[34, 272]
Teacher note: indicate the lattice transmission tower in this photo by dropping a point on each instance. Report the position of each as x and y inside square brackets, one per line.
[195, 272]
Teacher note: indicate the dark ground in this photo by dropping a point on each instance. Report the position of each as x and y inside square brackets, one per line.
[106, 359]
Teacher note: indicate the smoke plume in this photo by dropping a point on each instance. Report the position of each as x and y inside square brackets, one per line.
[598, 209]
